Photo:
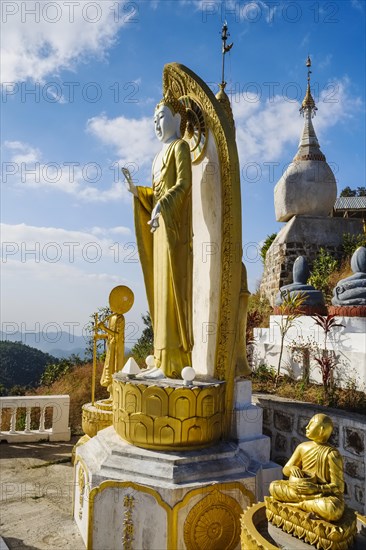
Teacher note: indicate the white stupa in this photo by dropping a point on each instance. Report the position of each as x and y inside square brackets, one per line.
[308, 186]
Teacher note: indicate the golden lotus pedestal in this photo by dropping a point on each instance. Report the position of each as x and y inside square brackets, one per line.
[167, 415]
[96, 417]
[272, 525]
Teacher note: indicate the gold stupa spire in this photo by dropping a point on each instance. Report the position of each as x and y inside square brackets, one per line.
[308, 101]
[309, 148]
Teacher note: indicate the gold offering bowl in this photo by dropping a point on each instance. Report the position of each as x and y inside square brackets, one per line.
[306, 477]
[166, 415]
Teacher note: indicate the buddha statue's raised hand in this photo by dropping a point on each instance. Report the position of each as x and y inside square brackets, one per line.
[131, 187]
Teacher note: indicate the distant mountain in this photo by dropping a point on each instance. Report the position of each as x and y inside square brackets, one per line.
[22, 365]
[60, 344]
[65, 354]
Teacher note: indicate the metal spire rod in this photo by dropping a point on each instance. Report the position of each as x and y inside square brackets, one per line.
[308, 102]
[308, 64]
[225, 48]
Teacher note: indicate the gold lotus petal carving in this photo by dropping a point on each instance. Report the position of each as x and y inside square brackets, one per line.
[165, 417]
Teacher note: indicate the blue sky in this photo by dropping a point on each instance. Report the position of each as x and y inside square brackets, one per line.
[79, 84]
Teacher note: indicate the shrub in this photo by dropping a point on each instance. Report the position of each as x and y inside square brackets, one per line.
[289, 310]
[259, 311]
[351, 242]
[326, 360]
[323, 267]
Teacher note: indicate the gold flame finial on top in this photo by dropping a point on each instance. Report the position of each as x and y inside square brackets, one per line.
[308, 101]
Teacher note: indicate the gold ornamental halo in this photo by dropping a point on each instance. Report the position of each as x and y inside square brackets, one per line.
[213, 523]
[196, 131]
[121, 299]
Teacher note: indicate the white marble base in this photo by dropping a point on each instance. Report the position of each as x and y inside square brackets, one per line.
[162, 499]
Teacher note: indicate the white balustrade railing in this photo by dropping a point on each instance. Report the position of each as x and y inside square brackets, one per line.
[59, 429]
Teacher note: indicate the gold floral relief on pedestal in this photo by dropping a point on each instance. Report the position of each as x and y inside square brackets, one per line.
[81, 483]
[213, 523]
[128, 526]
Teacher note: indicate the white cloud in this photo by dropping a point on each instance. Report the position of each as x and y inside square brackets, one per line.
[305, 40]
[357, 5]
[118, 230]
[57, 35]
[27, 170]
[22, 152]
[336, 104]
[251, 11]
[133, 140]
[325, 62]
[50, 274]
[55, 245]
[266, 130]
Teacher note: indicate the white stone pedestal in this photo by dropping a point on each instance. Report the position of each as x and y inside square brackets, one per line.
[132, 498]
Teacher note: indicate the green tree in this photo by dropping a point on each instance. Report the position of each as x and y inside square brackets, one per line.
[103, 313]
[358, 192]
[22, 365]
[54, 371]
[348, 192]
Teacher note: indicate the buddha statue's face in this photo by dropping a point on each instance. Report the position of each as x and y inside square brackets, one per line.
[318, 430]
[166, 124]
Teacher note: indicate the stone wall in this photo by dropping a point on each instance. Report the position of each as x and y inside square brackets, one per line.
[284, 422]
[303, 236]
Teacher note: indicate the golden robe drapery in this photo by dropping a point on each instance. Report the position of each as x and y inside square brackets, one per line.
[166, 258]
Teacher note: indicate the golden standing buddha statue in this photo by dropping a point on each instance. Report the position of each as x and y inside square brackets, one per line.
[164, 237]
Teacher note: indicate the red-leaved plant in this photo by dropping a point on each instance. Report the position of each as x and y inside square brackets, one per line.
[326, 361]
